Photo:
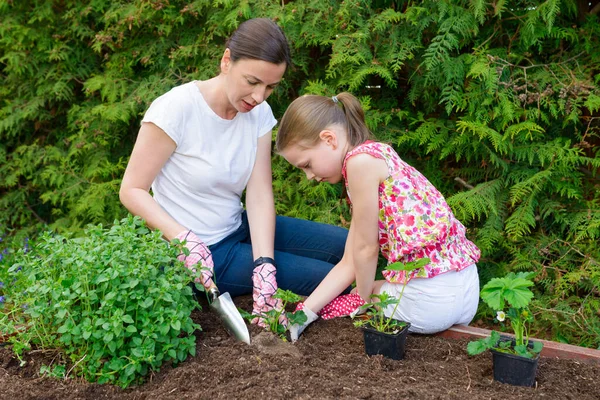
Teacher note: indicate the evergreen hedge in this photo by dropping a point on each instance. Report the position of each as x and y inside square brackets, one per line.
[497, 103]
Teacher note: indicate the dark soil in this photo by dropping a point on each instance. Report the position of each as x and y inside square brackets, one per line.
[328, 362]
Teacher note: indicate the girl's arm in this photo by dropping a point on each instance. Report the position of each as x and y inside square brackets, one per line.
[259, 201]
[365, 173]
[152, 149]
[362, 246]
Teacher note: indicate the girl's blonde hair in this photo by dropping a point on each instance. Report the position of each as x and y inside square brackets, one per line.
[308, 115]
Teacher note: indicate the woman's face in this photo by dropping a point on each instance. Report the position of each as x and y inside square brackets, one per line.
[250, 82]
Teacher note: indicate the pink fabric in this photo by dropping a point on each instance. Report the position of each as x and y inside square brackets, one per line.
[265, 286]
[299, 307]
[414, 220]
[199, 254]
[341, 306]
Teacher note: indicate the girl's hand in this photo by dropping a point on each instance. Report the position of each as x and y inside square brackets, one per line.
[342, 306]
[296, 330]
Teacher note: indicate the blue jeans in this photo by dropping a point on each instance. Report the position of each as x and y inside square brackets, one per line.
[305, 252]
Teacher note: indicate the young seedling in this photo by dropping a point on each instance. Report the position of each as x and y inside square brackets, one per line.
[375, 310]
[273, 318]
[512, 290]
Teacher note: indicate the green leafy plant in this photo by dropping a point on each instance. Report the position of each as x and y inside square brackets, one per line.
[375, 310]
[114, 301]
[273, 317]
[58, 371]
[512, 291]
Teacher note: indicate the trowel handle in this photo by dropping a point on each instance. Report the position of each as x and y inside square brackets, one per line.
[213, 293]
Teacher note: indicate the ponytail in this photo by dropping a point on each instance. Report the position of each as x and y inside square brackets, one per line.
[358, 132]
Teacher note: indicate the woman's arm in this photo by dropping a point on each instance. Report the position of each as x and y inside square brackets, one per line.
[365, 173]
[152, 149]
[259, 201]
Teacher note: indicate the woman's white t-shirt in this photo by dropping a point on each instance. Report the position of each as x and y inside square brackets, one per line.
[201, 184]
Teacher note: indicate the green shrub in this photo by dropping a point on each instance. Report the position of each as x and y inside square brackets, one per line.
[114, 301]
[497, 103]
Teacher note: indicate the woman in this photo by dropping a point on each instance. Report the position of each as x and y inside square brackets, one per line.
[200, 145]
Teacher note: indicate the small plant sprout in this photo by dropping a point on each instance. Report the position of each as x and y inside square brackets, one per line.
[273, 318]
[511, 291]
[375, 310]
[58, 371]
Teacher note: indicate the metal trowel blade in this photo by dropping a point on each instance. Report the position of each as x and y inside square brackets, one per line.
[231, 317]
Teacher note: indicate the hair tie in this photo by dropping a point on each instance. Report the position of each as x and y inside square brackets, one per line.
[335, 99]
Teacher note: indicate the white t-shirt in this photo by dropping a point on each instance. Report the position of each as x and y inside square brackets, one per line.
[201, 184]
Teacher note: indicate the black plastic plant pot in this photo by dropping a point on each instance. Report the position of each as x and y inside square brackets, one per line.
[514, 369]
[390, 345]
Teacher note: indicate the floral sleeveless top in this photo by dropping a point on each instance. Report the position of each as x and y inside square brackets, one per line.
[414, 220]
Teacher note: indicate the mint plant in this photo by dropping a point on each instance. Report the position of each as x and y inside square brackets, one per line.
[511, 291]
[115, 301]
[375, 310]
[273, 317]
[58, 371]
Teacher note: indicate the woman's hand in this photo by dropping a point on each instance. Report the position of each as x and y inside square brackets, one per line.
[198, 254]
[265, 286]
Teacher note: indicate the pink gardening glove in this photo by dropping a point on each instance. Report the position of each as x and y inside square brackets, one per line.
[341, 306]
[265, 286]
[199, 254]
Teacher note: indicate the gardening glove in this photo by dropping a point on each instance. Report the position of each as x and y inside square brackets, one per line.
[296, 330]
[264, 287]
[342, 306]
[199, 254]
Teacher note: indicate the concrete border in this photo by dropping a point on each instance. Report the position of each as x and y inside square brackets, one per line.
[551, 349]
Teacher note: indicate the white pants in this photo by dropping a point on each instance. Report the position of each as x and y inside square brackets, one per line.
[435, 304]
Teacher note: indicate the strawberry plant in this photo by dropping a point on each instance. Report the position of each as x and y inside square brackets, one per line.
[375, 310]
[274, 317]
[510, 291]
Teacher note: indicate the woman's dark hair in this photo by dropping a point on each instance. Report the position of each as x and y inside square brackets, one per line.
[259, 39]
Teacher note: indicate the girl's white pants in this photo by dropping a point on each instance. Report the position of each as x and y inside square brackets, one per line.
[435, 304]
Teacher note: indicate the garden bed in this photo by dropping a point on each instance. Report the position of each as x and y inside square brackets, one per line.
[327, 362]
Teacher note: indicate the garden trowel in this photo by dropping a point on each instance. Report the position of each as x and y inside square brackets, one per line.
[231, 317]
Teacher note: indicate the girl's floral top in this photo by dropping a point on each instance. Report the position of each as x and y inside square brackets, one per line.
[414, 220]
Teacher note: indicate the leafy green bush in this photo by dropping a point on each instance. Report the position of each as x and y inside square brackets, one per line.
[114, 301]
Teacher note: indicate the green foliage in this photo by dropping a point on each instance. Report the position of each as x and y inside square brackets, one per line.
[58, 371]
[113, 301]
[274, 317]
[513, 291]
[375, 310]
[496, 103]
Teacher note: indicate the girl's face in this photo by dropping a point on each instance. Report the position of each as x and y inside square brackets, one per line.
[249, 82]
[323, 161]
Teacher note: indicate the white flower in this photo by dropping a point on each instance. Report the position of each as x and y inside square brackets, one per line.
[500, 316]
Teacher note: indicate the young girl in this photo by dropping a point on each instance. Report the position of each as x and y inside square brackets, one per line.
[395, 209]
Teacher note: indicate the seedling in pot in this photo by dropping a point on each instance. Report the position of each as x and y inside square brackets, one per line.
[515, 360]
[512, 291]
[387, 335]
[375, 310]
[273, 318]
